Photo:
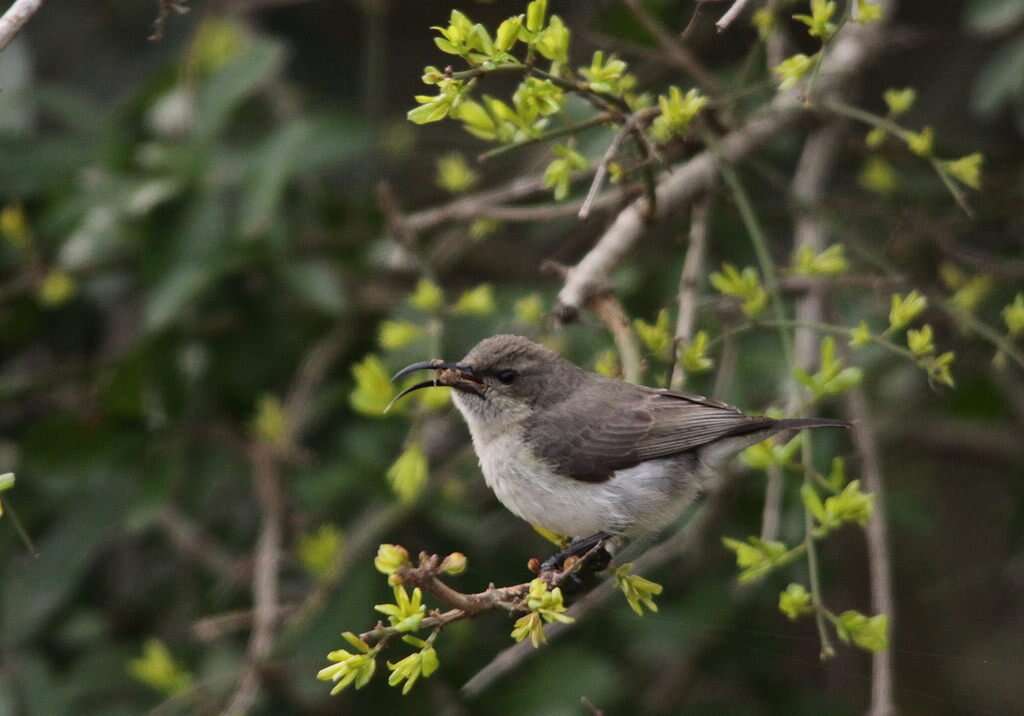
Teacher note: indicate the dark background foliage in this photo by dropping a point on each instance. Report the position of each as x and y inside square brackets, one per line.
[212, 245]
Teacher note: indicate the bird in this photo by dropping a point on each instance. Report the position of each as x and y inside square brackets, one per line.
[587, 456]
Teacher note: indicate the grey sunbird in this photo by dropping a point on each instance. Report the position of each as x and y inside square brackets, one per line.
[586, 456]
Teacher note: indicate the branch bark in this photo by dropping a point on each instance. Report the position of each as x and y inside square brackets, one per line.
[15, 18]
[734, 11]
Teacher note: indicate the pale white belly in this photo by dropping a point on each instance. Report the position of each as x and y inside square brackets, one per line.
[641, 498]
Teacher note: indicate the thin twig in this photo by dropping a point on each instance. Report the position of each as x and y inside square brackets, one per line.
[602, 167]
[15, 18]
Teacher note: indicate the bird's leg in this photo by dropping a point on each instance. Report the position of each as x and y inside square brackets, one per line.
[578, 548]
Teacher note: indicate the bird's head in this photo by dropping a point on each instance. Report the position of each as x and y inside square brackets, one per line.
[502, 379]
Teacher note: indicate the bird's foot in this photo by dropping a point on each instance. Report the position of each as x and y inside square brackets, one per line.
[584, 552]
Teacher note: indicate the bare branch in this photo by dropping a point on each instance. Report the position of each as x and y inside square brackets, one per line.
[734, 11]
[602, 167]
[16, 16]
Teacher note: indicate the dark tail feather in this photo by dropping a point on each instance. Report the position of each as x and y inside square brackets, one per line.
[770, 426]
[803, 423]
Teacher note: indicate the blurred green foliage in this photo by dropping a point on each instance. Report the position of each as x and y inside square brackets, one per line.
[183, 223]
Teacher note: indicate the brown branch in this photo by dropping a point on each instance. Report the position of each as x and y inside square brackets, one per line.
[550, 212]
[20, 12]
[426, 576]
[689, 278]
[471, 205]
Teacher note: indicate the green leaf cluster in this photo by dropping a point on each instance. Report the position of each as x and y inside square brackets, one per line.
[639, 591]
[545, 606]
[745, 286]
[677, 113]
[559, 173]
[406, 613]
[757, 557]
[848, 505]
[420, 663]
[832, 377]
[350, 668]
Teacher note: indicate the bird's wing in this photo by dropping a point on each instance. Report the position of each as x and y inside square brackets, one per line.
[594, 433]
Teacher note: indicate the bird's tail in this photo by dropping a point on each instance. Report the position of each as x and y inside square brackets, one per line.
[804, 423]
[754, 430]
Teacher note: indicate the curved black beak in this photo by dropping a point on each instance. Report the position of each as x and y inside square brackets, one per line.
[436, 364]
[450, 375]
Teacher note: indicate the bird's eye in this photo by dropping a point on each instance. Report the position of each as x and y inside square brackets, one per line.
[506, 376]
